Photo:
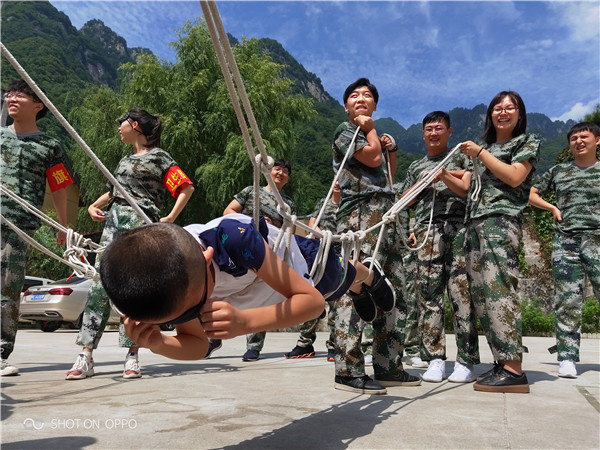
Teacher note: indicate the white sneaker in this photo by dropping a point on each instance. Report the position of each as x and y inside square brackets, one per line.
[436, 372]
[462, 373]
[83, 368]
[417, 362]
[368, 360]
[7, 370]
[132, 367]
[567, 369]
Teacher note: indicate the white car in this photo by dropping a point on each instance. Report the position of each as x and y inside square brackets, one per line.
[33, 281]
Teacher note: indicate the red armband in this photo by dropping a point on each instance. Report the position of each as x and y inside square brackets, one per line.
[175, 179]
[58, 177]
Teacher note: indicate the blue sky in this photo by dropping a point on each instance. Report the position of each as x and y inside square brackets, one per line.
[422, 56]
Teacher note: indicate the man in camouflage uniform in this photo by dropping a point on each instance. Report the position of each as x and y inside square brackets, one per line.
[576, 249]
[365, 198]
[441, 262]
[146, 175]
[29, 157]
[308, 332]
[243, 202]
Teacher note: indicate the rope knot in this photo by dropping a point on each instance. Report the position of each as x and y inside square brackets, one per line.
[265, 167]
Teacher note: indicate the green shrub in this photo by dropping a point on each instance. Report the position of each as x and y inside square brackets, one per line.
[590, 316]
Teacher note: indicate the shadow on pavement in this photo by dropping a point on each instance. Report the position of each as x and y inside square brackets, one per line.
[337, 427]
[54, 442]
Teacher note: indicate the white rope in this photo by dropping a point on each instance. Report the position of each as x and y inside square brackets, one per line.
[81, 269]
[419, 247]
[67, 126]
[477, 172]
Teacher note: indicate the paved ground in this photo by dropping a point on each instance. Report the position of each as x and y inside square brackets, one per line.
[278, 403]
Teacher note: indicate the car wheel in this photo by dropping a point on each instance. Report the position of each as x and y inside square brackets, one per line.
[49, 325]
[78, 322]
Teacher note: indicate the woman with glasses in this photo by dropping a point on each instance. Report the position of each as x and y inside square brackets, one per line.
[506, 160]
[146, 174]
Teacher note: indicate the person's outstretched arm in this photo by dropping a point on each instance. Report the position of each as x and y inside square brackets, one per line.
[536, 200]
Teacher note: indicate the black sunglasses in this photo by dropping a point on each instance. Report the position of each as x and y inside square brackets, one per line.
[193, 312]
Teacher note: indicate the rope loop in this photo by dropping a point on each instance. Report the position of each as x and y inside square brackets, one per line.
[265, 167]
[285, 210]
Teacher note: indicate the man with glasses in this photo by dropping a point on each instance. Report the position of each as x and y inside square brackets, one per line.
[28, 159]
[243, 202]
[441, 263]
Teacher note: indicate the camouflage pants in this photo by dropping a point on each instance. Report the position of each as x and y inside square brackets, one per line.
[492, 268]
[573, 257]
[308, 332]
[256, 341]
[441, 267]
[97, 307]
[13, 261]
[412, 337]
[388, 328]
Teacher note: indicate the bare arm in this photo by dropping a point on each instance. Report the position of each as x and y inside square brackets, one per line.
[460, 186]
[536, 200]
[304, 302]
[182, 199]
[370, 154]
[511, 174]
[95, 209]
[60, 204]
[233, 207]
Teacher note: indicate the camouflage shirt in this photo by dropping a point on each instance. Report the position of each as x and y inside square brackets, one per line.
[268, 204]
[577, 195]
[447, 205]
[358, 182]
[328, 219]
[142, 176]
[23, 164]
[497, 197]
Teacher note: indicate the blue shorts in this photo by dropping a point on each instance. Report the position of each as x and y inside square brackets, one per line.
[334, 270]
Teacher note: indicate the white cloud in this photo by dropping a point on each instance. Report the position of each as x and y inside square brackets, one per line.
[577, 111]
[581, 18]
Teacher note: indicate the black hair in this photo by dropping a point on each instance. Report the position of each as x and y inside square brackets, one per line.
[436, 116]
[489, 132]
[283, 163]
[21, 86]
[150, 125]
[360, 83]
[584, 126]
[147, 271]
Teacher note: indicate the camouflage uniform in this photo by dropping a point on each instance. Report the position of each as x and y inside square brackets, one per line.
[441, 264]
[268, 208]
[24, 162]
[308, 331]
[493, 235]
[142, 176]
[576, 249]
[365, 198]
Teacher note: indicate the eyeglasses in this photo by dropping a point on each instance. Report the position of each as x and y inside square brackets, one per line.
[16, 95]
[438, 129]
[509, 109]
[281, 169]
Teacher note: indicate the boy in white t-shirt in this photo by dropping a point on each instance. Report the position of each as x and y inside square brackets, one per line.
[224, 273]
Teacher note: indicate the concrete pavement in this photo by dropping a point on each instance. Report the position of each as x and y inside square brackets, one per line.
[276, 403]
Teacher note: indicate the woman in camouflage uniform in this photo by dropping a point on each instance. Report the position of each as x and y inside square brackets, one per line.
[493, 221]
[146, 174]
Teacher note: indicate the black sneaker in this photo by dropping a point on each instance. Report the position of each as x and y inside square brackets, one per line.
[402, 378]
[301, 352]
[331, 355]
[251, 355]
[360, 385]
[503, 381]
[213, 344]
[381, 290]
[363, 305]
[497, 366]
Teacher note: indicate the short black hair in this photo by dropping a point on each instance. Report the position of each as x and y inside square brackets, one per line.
[584, 126]
[436, 116]
[150, 125]
[360, 83]
[147, 271]
[489, 131]
[22, 86]
[283, 163]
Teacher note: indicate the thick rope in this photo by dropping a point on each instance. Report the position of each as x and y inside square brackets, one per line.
[477, 172]
[67, 126]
